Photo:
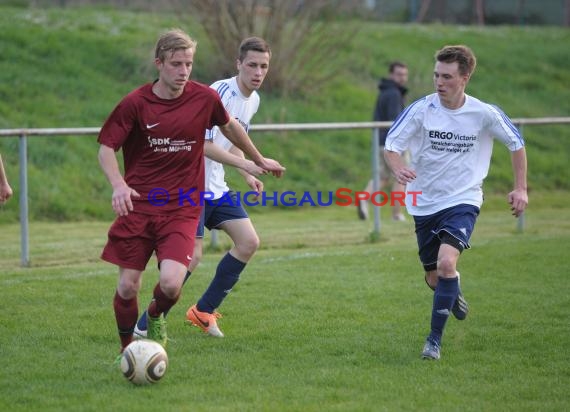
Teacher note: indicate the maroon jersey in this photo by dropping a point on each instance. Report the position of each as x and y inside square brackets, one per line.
[163, 146]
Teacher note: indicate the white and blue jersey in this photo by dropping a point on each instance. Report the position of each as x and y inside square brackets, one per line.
[450, 150]
[242, 109]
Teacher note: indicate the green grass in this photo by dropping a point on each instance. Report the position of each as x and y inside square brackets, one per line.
[321, 320]
[69, 68]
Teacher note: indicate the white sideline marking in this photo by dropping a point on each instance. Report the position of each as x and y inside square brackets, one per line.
[310, 255]
[21, 279]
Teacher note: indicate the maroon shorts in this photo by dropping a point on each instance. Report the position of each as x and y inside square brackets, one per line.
[134, 237]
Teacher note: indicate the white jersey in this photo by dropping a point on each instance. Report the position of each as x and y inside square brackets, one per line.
[242, 109]
[450, 150]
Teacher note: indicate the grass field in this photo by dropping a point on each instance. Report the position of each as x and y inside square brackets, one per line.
[322, 320]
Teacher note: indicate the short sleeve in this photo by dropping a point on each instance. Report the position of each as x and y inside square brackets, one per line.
[406, 126]
[118, 125]
[503, 129]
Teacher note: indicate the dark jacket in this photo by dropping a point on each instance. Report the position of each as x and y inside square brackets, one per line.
[389, 104]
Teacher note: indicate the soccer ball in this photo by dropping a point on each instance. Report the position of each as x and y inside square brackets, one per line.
[144, 361]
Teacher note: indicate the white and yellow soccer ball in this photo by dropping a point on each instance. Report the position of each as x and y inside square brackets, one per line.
[144, 362]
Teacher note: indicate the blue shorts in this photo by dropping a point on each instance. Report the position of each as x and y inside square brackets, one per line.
[452, 226]
[216, 212]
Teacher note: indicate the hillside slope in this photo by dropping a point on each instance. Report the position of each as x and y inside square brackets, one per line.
[69, 68]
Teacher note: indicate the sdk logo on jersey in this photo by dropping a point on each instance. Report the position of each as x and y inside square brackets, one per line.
[167, 144]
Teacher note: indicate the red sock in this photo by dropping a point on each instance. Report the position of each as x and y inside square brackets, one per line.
[160, 302]
[126, 314]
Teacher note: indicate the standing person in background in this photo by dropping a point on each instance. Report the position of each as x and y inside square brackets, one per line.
[241, 100]
[390, 103]
[160, 128]
[450, 137]
[5, 189]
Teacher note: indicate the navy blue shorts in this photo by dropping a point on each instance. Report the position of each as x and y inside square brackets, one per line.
[452, 226]
[216, 212]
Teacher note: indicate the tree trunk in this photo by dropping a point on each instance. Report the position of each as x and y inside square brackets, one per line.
[424, 7]
[520, 12]
[480, 12]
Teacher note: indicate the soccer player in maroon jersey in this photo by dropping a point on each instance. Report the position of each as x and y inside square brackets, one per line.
[223, 210]
[160, 128]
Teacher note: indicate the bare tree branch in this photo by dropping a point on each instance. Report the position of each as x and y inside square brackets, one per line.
[300, 40]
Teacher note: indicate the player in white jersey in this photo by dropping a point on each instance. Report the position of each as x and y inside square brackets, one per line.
[241, 100]
[450, 138]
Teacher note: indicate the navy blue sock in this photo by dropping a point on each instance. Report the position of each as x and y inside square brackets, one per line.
[141, 324]
[443, 299]
[227, 275]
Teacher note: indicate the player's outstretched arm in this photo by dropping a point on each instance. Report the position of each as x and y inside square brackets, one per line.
[122, 193]
[217, 153]
[5, 189]
[518, 198]
[402, 173]
[253, 182]
[237, 135]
